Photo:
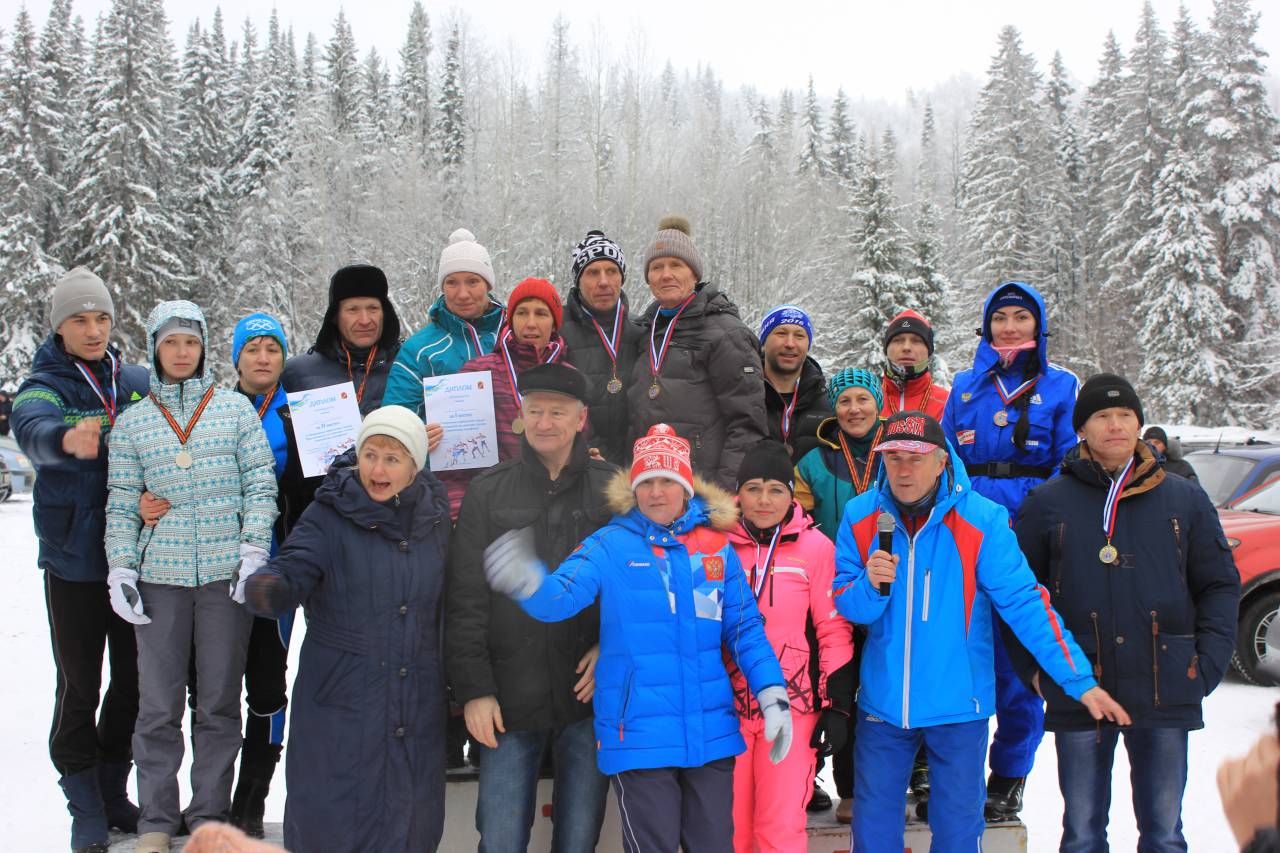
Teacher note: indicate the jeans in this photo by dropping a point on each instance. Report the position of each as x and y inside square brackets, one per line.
[509, 786]
[1158, 762]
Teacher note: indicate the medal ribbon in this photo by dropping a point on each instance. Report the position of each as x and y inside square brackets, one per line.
[184, 434]
[610, 341]
[108, 402]
[553, 353]
[1113, 499]
[656, 358]
[788, 411]
[266, 401]
[860, 484]
[760, 574]
[1009, 396]
[368, 363]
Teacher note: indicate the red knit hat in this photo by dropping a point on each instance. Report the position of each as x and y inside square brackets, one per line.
[540, 289]
[662, 453]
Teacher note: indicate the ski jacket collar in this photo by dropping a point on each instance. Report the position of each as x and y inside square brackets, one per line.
[1147, 471]
[343, 491]
[490, 321]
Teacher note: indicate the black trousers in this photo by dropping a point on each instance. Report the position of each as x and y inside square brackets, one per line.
[81, 625]
[673, 808]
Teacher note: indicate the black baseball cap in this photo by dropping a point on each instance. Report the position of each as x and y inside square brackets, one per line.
[912, 432]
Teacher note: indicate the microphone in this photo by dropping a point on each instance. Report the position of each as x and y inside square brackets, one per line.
[884, 526]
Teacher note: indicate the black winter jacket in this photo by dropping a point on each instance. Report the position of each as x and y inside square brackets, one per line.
[712, 386]
[811, 410]
[1159, 624]
[610, 417]
[492, 647]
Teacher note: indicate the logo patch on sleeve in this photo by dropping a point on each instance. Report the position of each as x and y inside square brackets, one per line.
[714, 568]
[966, 436]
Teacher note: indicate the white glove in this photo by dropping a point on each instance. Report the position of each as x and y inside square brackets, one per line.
[125, 601]
[252, 558]
[511, 565]
[776, 708]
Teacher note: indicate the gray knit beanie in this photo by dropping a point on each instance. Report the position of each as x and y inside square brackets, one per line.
[674, 240]
[79, 290]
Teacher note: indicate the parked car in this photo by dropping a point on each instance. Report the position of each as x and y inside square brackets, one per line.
[1252, 526]
[1228, 472]
[19, 465]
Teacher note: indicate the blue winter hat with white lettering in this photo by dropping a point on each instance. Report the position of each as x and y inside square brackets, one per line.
[257, 325]
[785, 314]
[1009, 294]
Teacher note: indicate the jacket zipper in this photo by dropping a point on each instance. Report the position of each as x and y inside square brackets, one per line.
[1056, 559]
[1177, 541]
[1155, 656]
[1097, 644]
[906, 650]
[925, 616]
[626, 700]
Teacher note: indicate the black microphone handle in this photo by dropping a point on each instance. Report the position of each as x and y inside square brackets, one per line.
[886, 545]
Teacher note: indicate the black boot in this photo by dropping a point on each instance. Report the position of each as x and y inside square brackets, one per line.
[820, 801]
[249, 802]
[113, 777]
[1004, 797]
[89, 832]
[920, 777]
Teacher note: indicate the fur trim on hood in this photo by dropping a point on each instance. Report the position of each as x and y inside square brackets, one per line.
[721, 508]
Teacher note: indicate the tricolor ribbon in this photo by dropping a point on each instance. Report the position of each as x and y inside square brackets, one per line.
[788, 411]
[109, 403]
[656, 357]
[760, 574]
[1113, 499]
[610, 341]
[1009, 396]
[553, 353]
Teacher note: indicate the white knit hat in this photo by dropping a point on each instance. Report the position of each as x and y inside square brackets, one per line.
[399, 423]
[464, 254]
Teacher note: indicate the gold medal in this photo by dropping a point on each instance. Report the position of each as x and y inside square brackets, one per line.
[1108, 554]
[654, 390]
[517, 426]
[1001, 418]
[614, 386]
[183, 460]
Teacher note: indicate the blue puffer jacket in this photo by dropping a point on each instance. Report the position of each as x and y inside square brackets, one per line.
[968, 419]
[928, 657]
[672, 600]
[70, 494]
[227, 497]
[439, 348]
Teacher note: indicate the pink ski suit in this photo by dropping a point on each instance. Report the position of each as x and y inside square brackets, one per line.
[769, 800]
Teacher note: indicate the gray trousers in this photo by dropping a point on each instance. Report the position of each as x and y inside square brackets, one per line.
[182, 617]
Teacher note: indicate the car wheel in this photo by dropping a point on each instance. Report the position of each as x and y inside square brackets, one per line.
[1258, 663]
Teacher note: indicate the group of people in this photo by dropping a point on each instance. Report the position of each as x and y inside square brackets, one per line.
[700, 568]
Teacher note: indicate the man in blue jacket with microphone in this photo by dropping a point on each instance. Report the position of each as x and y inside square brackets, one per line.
[928, 672]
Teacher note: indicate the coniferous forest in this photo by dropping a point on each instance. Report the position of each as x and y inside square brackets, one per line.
[239, 163]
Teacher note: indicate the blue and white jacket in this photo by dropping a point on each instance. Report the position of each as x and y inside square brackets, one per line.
[439, 348]
[969, 417]
[928, 658]
[672, 601]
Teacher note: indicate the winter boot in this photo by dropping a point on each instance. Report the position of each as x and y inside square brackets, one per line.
[249, 803]
[1004, 797]
[820, 801]
[113, 777]
[89, 832]
[152, 842]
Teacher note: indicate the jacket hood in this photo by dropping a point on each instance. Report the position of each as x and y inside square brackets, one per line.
[953, 482]
[343, 491]
[799, 522]
[986, 357]
[707, 300]
[710, 504]
[1147, 472]
[328, 338]
[163, 313]
[490, 320]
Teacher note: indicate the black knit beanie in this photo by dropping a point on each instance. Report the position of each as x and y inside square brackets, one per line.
[768, 460]
[1105, 391]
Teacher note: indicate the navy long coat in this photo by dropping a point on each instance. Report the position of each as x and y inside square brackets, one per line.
[365, 758]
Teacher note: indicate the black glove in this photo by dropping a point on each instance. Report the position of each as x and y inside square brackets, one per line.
[832, 732]
[267, 595]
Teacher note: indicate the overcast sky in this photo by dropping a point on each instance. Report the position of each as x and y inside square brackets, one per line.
[873, 49]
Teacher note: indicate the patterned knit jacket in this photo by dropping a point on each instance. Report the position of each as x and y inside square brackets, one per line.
[228, 496]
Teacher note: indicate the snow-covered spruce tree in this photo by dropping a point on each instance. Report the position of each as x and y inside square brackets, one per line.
[840, 140]
[1244, 173]
[62, 64]
[879, 289]
[1187, 375]
[375, 122]
[342, 77]
[120, 225]
[813, 157]
[413, 86]
[927, 287]
[450, 129]
[28, 120]
[1008, 166]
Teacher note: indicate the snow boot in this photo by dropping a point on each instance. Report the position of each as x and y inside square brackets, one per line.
[113, 778]
[1004, 797]
[89, 832]
[249, 803]
[819, 801]
[152, 842]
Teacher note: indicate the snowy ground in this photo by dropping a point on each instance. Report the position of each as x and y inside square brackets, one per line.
[33, 816]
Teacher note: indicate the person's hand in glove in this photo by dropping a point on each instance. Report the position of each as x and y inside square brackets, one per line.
[125, 601]
[252, 558]
[832, 732]
[776, 708]
[511, 565]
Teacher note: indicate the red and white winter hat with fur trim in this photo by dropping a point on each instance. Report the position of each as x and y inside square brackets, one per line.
[662, 453]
